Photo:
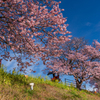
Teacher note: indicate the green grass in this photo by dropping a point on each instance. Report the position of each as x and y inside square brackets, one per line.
[16, 87]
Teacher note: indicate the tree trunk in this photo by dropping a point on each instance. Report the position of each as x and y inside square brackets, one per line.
[98, 86]
[78, 85]
[99, 90]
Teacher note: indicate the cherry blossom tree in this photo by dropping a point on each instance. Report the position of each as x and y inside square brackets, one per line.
[95, 80]
[78, 59]
[27, 27]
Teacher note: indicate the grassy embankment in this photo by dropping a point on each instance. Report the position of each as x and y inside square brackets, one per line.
[16, 87]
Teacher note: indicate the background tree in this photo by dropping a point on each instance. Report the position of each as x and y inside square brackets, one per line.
[26, 28]
[96, 83]
[95, 80]
[78, 59]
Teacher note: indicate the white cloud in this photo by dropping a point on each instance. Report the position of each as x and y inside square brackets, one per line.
[88, 24]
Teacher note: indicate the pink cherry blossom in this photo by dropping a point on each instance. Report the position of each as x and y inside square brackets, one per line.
[24, 24]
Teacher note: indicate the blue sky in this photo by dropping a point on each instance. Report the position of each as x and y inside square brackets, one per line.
[83, 17]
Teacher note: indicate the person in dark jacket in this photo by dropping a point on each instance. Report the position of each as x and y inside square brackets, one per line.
[54, 77]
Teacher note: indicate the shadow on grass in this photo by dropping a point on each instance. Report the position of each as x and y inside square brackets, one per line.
[50, 98]
[74, 95]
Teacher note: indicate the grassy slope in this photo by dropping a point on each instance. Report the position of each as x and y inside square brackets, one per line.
[16, 87]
